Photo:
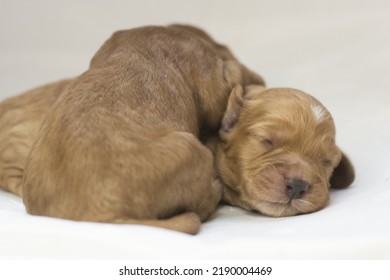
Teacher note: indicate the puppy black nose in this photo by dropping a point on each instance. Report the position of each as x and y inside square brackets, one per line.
[296, 188]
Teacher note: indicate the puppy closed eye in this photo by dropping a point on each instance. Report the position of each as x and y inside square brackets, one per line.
[327, 163]
[268, 143]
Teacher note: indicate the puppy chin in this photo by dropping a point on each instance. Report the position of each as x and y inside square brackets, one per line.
[275, 209]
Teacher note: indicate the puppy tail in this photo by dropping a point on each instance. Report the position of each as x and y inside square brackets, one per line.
[187, 223]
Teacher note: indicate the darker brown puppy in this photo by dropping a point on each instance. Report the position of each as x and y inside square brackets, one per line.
[121, 143]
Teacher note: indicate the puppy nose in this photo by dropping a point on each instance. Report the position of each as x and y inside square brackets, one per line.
[296, 188]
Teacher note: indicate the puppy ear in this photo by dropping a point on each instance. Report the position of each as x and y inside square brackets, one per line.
[232, 113]
[343, 175]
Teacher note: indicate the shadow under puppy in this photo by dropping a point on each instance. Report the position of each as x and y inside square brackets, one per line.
[121, 143]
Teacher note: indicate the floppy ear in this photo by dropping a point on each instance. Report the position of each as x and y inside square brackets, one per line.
[343, 175]
[235, 105]
[232, 113]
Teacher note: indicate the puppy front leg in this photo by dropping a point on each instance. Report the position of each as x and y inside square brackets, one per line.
[188, 187]
[195, 186]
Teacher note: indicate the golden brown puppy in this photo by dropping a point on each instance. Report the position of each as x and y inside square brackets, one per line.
[277, 152]
[20, 119]
[121, 144]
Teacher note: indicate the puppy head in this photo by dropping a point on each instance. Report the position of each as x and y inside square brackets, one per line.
[277, 153]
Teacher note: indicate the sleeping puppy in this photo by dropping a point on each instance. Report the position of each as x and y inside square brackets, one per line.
[20, 119]
[277, 154]
[121, 143]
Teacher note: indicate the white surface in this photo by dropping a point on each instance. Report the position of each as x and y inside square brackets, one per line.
[337, 50]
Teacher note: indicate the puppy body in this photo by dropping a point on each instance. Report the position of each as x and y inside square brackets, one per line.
[121, 143]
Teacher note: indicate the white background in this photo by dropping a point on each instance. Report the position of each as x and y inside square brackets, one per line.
[336, 50]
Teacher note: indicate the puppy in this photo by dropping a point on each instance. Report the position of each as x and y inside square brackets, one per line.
[276, 153]
[20, 119]
[121, 142]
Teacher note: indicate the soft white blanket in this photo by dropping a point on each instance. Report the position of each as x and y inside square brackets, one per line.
[337, 50]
